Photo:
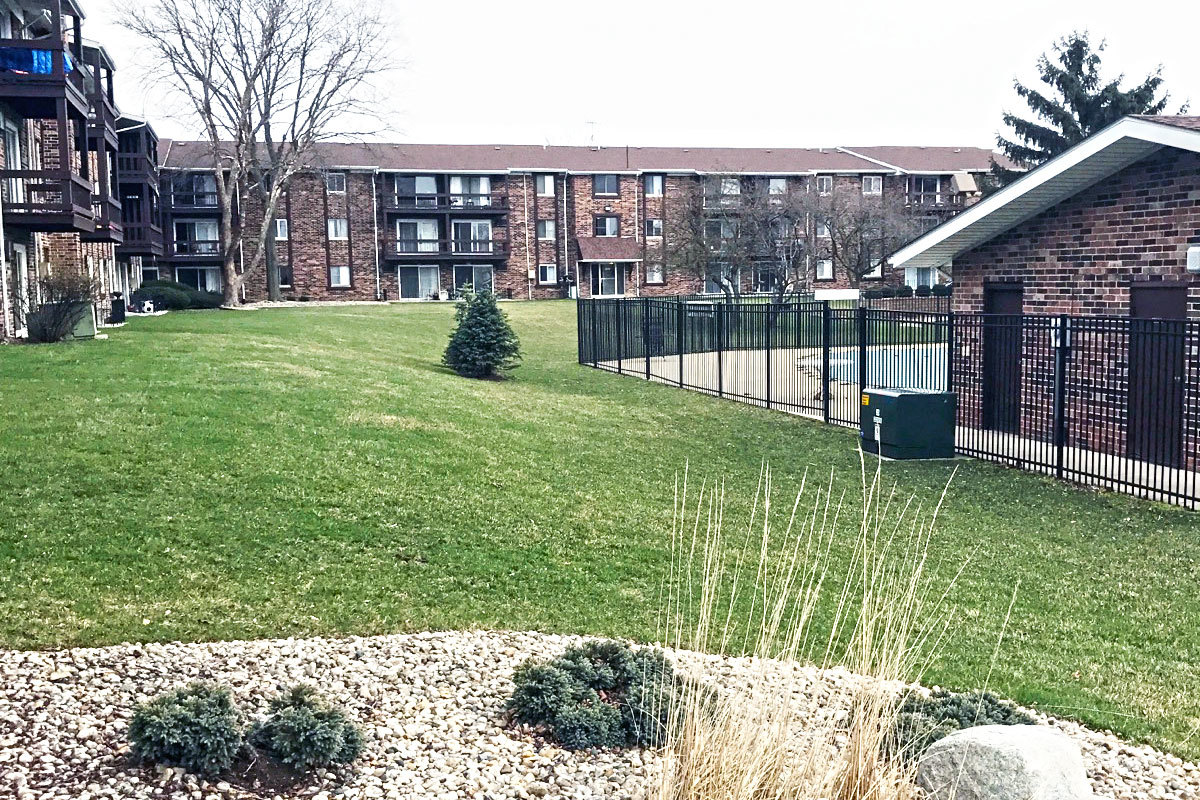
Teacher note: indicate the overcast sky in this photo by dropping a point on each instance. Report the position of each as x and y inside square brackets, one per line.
[748, 73]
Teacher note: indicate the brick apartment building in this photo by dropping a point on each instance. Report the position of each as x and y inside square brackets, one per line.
[397, 221]
[60, 204]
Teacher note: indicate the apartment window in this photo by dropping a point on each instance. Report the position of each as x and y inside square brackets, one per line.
[335, 182]
[824, 184]
[285, 274]
[717, 230]
[608, 279]
[545, 229]
[190, 189]
[654, 227]
[822, 227]
[605, 184]
[766, 279]
[339, 229]
[824, 270]
[470, 191]
[545, 185]
[872, 184]
[416, 236]
[653, 185]
[471, 236]
[920, 276]
[776, 186]
[547, 274]
[475, 278]
[339, 277]
[731, 186]
[654, 273]
[876, 272]
[205, 279]
[606, 225]
[925, 189]
[417, 191]
[281, 229]
[196, 237]
[149, 274]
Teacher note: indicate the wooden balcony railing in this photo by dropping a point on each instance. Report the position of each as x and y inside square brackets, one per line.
[51, 199]
[447, 202]
[197, 247]
[491, 248]
[40, 68]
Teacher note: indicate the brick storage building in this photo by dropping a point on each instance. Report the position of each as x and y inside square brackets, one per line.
[374, 221]
[58, 150]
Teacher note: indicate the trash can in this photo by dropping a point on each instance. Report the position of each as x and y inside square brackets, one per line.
[117, 315]
[908, 423]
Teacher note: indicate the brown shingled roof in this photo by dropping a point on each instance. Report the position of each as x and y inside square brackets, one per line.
[1176, 121]
[609, 248]
[932, 159]
[500, 158]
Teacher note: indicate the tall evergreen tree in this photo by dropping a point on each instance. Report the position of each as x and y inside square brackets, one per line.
[1079, 103]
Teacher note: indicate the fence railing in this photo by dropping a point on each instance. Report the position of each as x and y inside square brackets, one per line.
[1107, 401]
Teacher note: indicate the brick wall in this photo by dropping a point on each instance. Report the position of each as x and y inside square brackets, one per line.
[1081, 256]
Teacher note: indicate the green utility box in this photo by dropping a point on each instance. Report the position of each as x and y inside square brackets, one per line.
[908, 423]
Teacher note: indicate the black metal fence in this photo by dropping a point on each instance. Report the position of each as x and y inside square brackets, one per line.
[1107, 401]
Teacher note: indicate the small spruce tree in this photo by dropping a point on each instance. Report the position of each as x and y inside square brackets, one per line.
[483, 343]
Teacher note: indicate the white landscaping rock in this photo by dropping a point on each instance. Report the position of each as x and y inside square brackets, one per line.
[1004, 762]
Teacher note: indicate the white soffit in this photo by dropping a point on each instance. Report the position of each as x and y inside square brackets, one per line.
[1089, 162]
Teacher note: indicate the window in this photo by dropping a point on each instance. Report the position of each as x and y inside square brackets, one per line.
[339, 277]
[776, 186]
[196, 237]
[149, 274]
[416, 236]
[206, 279]
[824, 270]
[335, 182]
[608, 279]
[339, 228]
[654, 273]
[471, 236]
[281, 229]
[418, 283]
[190, 189]
[470, 191]
[416, 191]
[605, 184]
[606, 225]
[545, 185]
[872, 184]
[653, 185]
[765, 279]
[285, 274]
[822, 228]
[476, 278]
[718, 230]
[824, 184]
[925, 190]
[715, 282]
[545, 229]
[547, 274]
[731, 186]
[920, 276]
[654, 228]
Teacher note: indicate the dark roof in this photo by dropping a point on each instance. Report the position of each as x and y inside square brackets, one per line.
[1177, 121]
[933, 159]
[609, 248]
[503, 157]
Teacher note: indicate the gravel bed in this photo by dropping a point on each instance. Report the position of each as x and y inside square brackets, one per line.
[430, 705]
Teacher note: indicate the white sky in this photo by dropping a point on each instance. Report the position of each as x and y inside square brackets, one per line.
[744, 73]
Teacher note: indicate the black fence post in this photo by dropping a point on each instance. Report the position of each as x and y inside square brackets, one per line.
[579, 331]
[1062, 344]
[720, 349]
[950, 352]
[826, 337]
[594, 311]
[646, 332]
[861, 319]
[681, 332]
[620, 335]
[770, 325]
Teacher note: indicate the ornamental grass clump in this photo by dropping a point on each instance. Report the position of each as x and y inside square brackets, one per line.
[601, 694]
[483, 344]
[781, 595]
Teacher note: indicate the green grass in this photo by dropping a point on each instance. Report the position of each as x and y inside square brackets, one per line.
[217, 475]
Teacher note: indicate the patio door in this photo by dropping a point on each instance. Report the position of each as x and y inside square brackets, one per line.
[478, 278]
[1157, 335]
[418, 283]
[14, 188]
[1002, 323]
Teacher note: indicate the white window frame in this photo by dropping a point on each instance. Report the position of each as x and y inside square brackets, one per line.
[616, 229]
[827, 182]
[655, 273]
[423, 245]
[548, 228]
[912, 276]
[423, 271]
[872, 184]
[653, 185]
[332, 179]
[473, 223]
[544, 185]
[547, 274]
[730, 186]
[470, 191]
[657, 224]
[281, 229]
[614, 176]
[821, 228]
[876, 273]
[330, 226]
[776, 187]
[338, 269]
[823, 270]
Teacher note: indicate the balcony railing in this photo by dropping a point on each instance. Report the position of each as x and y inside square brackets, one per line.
[447, 201]
[143, 238]
[197, 247]
[135, 167]
[455, 247]
[51, 197]
[194, 200]
[109, 222]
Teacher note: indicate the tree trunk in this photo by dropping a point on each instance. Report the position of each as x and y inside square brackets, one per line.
[273, 292]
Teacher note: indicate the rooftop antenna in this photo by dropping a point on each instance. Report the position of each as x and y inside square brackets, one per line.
[591, 135]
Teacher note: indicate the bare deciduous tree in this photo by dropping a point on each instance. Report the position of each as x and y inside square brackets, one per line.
[861, 230]
[266, 80]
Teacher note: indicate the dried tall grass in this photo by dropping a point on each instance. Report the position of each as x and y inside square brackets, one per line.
[782, 598]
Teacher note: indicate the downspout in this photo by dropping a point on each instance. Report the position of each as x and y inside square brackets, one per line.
[528, 266]
[375, 228]
[637, 230]
[4, 278]
[566, 248]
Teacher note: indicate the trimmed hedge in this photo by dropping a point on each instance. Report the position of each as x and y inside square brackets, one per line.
[175, 296]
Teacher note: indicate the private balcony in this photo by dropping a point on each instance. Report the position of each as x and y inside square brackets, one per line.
[196, 248]
[497, 203]
[102, 113]
[47, 200]
[421, 249]
[192, 202]
[36, 73]
[143, 233]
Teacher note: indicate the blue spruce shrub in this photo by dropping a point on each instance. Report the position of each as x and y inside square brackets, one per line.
[196, 727]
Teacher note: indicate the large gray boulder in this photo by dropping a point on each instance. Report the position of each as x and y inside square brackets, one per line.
[1004, 762]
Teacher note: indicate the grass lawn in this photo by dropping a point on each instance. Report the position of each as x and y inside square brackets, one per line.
[219, 475]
